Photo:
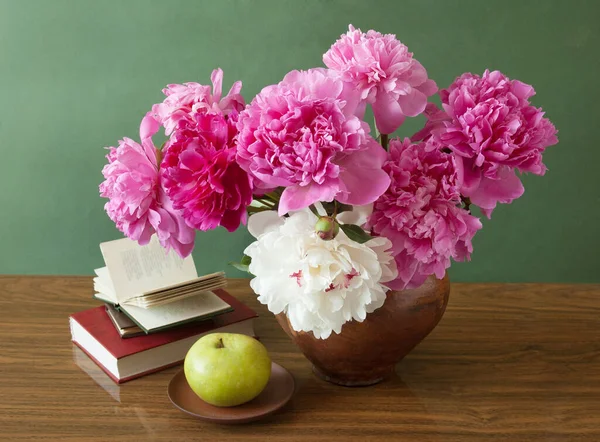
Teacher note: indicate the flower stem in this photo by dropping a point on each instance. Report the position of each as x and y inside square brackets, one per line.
[467, 202]
[385, 141]
[266, 202]
[252, 209]
[269, 197]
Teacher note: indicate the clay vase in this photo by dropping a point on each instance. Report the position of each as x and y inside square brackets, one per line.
[366, 353]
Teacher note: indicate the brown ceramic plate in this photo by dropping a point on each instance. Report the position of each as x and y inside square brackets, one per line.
[276, 394]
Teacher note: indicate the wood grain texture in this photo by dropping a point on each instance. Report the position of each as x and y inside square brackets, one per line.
[517, 362]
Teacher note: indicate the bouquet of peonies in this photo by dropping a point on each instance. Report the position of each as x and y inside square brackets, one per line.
[341, 214]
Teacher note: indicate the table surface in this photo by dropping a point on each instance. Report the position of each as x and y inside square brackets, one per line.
[514, 362]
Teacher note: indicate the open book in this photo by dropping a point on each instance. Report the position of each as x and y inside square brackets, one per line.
[155, 288]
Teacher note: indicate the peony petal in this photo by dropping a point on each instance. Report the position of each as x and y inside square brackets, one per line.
[164, 224]
[217, 80]
[505, 189]
[353, 103]
[429, 88]
[300, 197]
[469, 176]
[148, 127]
[358, 215]
[263, 222]
[171, 228]
[235, 89]
[418, 74]
[182, 249]
[388, 113]
[192, 160]
[140, 230]
[362, 177]
[413, 104]
[232, 219]
[146, 234]
[522, 90]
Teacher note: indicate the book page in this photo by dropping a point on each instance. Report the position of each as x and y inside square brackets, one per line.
[103, 285]
[211, 278]
[198, 306]
[136, 269]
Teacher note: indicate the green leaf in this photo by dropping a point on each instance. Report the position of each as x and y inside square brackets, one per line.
[244, 265]
[344, 208]
[314, 210]
[239, 266]
[355, 233]
[330, 207]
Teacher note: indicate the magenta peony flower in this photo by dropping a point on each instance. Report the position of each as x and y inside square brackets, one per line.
[201, 176]
[420, 213]
[385, 73]
[137, 204]
[302, 134]
[184, 100]
[493, 130]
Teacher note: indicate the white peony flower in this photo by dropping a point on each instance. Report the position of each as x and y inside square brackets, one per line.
[318, 284]
[358, 215]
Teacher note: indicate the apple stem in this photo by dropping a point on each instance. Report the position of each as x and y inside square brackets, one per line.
[220, 343]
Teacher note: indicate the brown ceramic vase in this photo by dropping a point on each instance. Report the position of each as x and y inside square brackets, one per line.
[366, 353]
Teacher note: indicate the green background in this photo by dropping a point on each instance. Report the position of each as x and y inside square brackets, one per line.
[78, 75]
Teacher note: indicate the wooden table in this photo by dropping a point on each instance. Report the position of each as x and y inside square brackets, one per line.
[508, 362]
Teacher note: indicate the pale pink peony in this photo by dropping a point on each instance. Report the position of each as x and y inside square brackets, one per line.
[137, 204]
[302, 134]
[201, 176]
[420, 213]
[493, 130]
[384, 72]
[184, 100]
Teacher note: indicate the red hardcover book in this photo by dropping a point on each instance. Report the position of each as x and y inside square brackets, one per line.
[127, 359]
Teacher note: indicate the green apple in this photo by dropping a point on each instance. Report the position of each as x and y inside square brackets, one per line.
[227, 369]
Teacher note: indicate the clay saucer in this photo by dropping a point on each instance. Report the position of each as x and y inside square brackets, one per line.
[277, 393]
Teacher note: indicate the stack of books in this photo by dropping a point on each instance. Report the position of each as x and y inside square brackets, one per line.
[155, 308]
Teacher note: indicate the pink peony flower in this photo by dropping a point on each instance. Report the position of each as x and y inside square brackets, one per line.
[493, 130]
[384, 72]
[201, 176]
[436, 120]
[420, 213]
[137, 204]
[184, 100]
[302, 134]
